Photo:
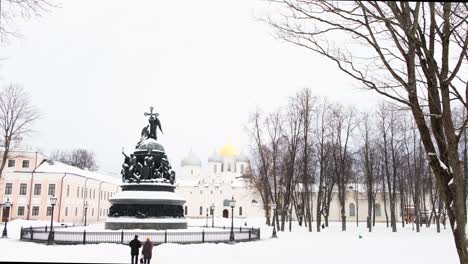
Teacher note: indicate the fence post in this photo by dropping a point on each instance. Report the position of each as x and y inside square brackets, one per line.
[203, 236]
[21, 233]
[240, 229]
[250, 235]
[46, 228]
[31, 230]
[165, 236]
[121, 237]
[224, 227]
[258, 233]
[84, 237]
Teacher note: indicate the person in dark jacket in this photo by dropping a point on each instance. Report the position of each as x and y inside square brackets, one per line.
[135, 245]
[147, 251]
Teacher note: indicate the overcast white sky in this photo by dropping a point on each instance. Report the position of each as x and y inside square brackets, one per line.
[94, 67]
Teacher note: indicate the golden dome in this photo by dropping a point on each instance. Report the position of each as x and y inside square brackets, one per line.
[229, 150]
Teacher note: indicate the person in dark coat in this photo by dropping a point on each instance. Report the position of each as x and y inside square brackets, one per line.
[147, 251]
[135, 245]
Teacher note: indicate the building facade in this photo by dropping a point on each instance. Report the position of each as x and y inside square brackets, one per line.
[222, 179]
[29, 179]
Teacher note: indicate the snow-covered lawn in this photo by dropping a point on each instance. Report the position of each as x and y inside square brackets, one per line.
[329, 246]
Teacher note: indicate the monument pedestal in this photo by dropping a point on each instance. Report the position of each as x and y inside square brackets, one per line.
[146, 206]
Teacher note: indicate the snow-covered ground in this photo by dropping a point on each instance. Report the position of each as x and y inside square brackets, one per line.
[329, 246]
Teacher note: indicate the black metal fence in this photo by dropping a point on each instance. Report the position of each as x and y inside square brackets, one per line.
[208, 235]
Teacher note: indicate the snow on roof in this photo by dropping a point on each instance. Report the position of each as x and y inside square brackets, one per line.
[49, 166]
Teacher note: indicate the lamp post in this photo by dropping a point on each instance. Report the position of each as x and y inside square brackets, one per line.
[232, 203]
[85, 211]
[212, 207]
[7, 205]
[50, 239]
[273, 207]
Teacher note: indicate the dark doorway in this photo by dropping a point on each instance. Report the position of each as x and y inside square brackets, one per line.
[226, 213]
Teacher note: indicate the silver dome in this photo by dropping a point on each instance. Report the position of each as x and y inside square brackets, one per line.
[190, 160]
[215, 157]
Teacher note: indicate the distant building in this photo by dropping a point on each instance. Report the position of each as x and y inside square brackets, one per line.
[224, 176]
[356, 204]
[221, 179]
[29, 179]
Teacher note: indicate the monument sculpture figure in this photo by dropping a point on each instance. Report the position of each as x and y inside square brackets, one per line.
[150, 131]
[147, 199]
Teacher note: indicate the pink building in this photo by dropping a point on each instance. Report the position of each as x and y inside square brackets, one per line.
[29, 179]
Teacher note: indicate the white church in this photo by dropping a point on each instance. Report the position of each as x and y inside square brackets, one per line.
[223, 178]
[217, 182]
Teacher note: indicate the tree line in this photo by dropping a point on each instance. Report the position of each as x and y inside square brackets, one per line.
[307, 152]
[413, 53]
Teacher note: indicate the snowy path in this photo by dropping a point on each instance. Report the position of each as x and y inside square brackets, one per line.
[329, 246]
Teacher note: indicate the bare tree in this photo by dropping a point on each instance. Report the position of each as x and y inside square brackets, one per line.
[390, 144]
[322, 132]
[11, 10]
[81, 158]
[291, 139]
[261, 161]
[17, 115]
[306, 104]
[369, 162]
[343, 123]
[411, 52]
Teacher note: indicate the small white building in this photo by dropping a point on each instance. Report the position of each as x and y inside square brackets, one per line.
[217, 182]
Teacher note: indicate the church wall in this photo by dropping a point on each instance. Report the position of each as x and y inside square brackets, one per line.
[191, 171]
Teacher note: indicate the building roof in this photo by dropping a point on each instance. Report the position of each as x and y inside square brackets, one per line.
[50, 166]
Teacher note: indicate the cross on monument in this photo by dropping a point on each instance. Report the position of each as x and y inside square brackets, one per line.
[151, 113]
[154, 123]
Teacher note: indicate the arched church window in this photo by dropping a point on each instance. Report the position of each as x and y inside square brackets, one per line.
[201, 210]
[222, 167]
[240, 210]
[229, 166]
[352, 209]
[378, 211]
[242, 168]
[191, 172]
